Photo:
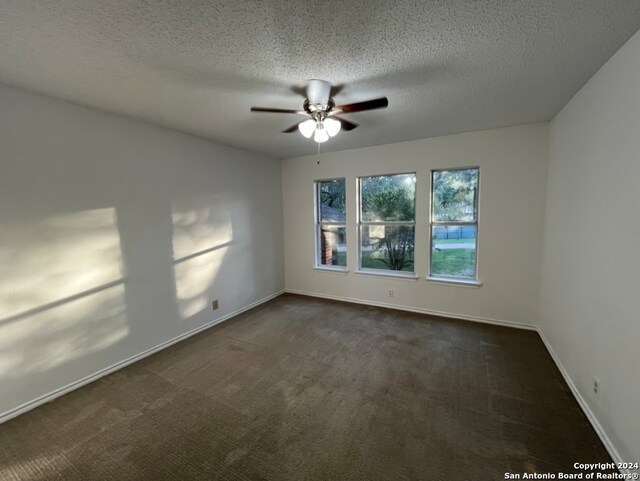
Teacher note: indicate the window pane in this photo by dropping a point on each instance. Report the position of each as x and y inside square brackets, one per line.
[331, 199]
[333, 246]
[388, 198]
[388, 247]
[455, 195]
[453, 251]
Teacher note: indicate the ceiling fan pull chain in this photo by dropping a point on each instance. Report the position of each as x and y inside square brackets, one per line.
[318, 156]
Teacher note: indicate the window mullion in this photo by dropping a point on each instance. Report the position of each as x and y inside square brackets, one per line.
[440, 222]
[388, 222]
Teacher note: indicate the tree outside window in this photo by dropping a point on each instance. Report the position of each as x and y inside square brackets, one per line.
[387, 222]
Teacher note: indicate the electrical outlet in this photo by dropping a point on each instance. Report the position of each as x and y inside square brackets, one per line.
[214, 304]
[390, 293]
[596, 386]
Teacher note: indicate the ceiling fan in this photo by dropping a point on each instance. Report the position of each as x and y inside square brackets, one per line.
[323, 121]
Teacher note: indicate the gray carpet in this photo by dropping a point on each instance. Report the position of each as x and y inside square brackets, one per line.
[307, 389]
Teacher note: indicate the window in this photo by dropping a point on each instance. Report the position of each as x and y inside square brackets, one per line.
[454, 223]
[331, 232]
[387, 222]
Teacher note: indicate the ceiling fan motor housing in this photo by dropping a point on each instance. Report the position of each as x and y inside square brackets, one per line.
[318, 92]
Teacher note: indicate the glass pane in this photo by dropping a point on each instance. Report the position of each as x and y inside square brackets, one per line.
[453, 251]
[387, 198]
[388, 247]
[333, 246]
[455, 195]
[332, 201]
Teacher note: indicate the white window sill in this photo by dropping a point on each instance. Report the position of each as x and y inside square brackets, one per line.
[447, 281]
[342, 270]
[410, 276]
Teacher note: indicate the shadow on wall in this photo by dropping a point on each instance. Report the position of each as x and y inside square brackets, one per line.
[62, 290]
[201, 239]
[114, 236]
[84, 290]
[217, 257]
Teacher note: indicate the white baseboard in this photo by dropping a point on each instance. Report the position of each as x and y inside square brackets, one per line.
[613, 452]
[29, 405]
[418, 310]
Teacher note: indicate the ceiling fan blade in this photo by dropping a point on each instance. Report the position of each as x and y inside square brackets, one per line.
[277, 111]
[293, 128]
[380, 103]
[346, 125]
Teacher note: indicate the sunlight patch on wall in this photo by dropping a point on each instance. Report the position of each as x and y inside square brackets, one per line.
[61, 290]
[201, 238]
[47, 339]
[194, 278]
[43, 262]
[197, 229]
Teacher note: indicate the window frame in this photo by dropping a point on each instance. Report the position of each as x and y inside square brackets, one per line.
[318, 223]
[360, 223]
[471, 281]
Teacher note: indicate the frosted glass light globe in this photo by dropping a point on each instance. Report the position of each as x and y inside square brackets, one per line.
[307, 128]
[321, 135]
[332, 126]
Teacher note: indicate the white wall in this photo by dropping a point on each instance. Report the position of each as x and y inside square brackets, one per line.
[512, 189]
[590, 296]
[114, 237]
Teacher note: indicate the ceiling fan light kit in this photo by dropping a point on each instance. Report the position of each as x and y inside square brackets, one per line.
[332, 126]
[321, 134]
[323, 121]
[307, 128]
[320, 130]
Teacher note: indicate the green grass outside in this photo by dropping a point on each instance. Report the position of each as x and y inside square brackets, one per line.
[446, 262]
[453, 262]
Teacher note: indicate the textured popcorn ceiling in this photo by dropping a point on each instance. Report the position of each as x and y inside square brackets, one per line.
[197, 66]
